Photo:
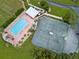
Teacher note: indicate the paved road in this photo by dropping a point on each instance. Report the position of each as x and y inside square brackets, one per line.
[75, 8]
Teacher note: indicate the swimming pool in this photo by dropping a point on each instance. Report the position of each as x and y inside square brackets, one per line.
[19, 26]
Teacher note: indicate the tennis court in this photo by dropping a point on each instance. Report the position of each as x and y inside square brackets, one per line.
[55, 35]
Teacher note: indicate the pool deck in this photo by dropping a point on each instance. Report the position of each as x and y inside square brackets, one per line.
[18, 37]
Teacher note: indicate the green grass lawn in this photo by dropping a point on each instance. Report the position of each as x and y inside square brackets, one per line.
[8, 9]
[68, 2]
[10, 52]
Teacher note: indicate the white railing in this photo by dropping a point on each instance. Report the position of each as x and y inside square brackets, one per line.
[54, 16]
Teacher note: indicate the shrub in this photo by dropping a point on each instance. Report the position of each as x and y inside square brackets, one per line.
[44, 5]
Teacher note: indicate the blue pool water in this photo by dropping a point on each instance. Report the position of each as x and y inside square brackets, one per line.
[19, 26]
